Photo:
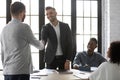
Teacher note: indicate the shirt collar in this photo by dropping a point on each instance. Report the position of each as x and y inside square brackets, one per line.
[15, 19]
[53, 25]
[88, 54]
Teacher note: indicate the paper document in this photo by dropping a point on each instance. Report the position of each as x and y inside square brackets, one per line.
[38, 73]
[82, 75]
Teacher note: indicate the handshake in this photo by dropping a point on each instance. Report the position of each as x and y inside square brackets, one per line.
[42, 45]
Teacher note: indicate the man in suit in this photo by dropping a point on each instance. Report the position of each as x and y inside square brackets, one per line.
[16, 39]
[57, 36]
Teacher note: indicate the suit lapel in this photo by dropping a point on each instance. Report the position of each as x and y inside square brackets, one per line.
[51, 29]
[61, 32]
[52, 32]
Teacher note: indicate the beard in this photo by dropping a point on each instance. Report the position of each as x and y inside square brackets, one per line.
[52, 19]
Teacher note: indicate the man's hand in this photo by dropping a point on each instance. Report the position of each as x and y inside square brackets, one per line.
[67, 65]
[76, 66]
[42, 44]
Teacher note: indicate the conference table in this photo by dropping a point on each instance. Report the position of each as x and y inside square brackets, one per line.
[50, 74]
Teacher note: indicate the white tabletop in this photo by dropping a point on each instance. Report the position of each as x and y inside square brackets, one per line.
[49, 74]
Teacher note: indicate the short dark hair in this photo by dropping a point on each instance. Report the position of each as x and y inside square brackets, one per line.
[94, 39]
[16, 8]
[115, 52]
[49, 7]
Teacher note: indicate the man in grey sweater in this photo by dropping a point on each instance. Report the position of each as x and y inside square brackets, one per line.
[16, 39]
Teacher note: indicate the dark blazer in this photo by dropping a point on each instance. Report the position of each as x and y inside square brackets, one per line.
[48, 34]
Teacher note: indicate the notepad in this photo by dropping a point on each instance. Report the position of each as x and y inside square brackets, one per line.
[82, 75]
[93, 69]
[39, 73]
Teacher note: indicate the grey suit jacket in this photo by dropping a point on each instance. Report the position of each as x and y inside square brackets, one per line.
[49, 36]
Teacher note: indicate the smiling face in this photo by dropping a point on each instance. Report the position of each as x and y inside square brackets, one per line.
[91, 46]
[51, 15]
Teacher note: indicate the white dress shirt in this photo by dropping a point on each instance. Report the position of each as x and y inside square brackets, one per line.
[57, 30]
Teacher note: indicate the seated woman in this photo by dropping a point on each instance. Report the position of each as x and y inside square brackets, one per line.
[109, 70]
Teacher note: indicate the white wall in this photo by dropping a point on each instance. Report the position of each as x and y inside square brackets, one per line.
[110, 23]
[105, 26]
[114, 20]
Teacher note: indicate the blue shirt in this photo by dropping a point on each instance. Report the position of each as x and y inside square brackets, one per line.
[82, 59]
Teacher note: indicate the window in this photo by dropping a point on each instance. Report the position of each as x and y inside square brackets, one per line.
[63, 11]
[87, 22]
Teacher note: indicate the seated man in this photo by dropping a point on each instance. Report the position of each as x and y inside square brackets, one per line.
[86, 59]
